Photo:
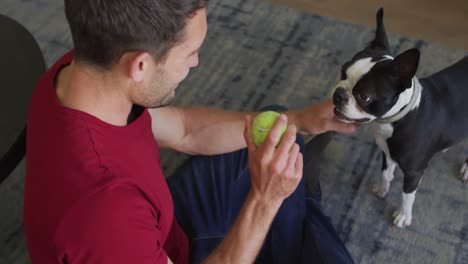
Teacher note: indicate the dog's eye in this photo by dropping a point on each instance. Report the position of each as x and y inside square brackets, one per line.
[365, 98]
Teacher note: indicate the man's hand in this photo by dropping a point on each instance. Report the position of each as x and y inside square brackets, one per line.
[275, 172]
[320, 118]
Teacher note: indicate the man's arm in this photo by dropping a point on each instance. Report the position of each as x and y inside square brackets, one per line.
[198, 130]
[208, 131]
[245, 238]
[275, 174]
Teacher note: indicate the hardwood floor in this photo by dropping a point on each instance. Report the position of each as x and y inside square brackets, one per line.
[442, 22]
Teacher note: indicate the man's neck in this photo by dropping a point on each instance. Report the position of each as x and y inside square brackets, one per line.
[100, 94]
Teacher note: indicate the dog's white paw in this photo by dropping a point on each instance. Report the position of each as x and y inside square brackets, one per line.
[464, 173]
[380, 189]
[401, 218]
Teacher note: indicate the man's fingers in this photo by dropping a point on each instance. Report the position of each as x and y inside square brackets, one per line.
[327, 107]
[339, 126]
[346, 128]
[292, 159]
[287, 142]
[299, 165]
[275, 134]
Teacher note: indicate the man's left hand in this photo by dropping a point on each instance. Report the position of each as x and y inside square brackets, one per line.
[320, 118]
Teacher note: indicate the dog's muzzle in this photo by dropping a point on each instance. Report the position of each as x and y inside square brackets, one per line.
[340, 97]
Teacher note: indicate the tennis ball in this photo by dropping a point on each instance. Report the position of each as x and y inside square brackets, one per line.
[262, 125]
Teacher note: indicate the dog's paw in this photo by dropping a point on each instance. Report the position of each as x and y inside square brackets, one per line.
[380, 190]
[464, 173]
[401, 219]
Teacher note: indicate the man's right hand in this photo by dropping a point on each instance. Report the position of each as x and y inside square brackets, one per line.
[275, 174]
[275, 171]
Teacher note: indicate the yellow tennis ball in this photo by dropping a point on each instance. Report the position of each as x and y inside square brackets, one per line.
[262, 125]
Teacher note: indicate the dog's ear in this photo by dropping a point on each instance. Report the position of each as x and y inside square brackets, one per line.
[406, 65]
[380, 40]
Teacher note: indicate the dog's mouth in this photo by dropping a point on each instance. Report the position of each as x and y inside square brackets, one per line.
[346, 119]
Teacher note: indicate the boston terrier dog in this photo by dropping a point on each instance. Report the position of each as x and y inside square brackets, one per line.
[411, 118]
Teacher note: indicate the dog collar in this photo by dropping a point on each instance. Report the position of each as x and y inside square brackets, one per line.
[406, 109]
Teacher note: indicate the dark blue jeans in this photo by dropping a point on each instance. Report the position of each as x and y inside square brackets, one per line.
[208, 192]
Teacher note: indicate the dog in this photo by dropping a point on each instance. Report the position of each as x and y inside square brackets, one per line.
[411, 119]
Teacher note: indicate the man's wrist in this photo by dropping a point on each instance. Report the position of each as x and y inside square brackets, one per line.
[295, 117]
[267, 206]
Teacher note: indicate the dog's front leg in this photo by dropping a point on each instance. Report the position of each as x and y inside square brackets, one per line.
[381, 188]
[403, 216]
[381, 133]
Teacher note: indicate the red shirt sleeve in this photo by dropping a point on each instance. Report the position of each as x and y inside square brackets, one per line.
[115, 225]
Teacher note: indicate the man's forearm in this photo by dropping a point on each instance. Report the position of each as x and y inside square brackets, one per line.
[208, 131]
[245, 238]
[213, 131]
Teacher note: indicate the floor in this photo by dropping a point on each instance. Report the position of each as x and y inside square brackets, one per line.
[442, 22]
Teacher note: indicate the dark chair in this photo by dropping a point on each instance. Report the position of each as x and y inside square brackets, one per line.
[21, 65]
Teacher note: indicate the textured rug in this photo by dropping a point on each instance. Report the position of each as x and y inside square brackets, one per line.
[257, 54]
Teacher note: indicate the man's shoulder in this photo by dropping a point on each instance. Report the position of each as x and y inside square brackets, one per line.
[43, 100]
[48, 77]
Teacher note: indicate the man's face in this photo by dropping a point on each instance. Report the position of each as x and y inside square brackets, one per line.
[160, 89]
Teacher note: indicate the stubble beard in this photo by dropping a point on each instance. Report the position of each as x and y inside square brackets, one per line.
[166, 100]
[161, 83]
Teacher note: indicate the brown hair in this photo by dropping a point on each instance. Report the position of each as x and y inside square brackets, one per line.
[103, 30]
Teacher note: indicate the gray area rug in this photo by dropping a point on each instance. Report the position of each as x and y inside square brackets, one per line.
[257, 54]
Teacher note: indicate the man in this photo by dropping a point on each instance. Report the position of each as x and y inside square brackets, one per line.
[94, 190]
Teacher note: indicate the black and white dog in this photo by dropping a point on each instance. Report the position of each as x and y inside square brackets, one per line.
[412, 119]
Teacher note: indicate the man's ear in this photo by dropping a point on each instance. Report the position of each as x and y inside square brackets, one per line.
[407, 64]
[138, 65]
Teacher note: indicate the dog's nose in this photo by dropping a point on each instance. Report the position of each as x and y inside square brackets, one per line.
[340, 96]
